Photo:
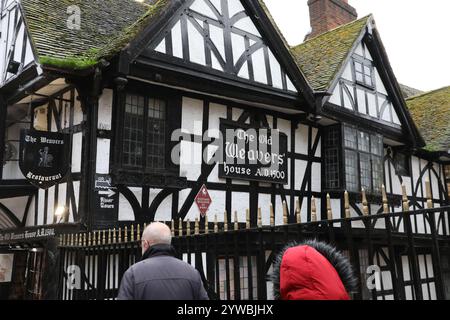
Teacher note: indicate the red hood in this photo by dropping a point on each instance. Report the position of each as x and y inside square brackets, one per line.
[305, 274]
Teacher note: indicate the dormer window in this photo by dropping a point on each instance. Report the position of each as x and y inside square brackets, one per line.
[364, 73]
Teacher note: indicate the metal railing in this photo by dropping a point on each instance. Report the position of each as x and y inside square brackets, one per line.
[235, 259]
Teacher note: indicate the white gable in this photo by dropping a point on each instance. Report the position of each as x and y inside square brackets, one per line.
[220, 35]
[15, 47]
[361, 89]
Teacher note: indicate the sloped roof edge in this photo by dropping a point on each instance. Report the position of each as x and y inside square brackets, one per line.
[322, 57]
[431, 113]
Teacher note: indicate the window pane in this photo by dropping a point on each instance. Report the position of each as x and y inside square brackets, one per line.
[156, 133]
[332, 168]
[377, 169]
[350, 137]
[351, 170]
[358, 67]
[359, 77]
[365, 173]
[367, 71]
[332, 137]
[133, 131]
[368, 80]
[376, 145]
[363, 141]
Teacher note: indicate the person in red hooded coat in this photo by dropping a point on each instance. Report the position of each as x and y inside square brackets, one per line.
[312, 270]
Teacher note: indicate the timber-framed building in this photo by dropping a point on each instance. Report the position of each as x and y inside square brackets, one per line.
[118, 78]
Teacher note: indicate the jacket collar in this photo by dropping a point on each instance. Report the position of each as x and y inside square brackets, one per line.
[159, 250]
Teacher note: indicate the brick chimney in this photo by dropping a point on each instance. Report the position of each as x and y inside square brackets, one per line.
[326, 15]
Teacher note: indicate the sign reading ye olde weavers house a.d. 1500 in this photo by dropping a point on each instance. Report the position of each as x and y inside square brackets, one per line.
[44, 157]
[255, 154]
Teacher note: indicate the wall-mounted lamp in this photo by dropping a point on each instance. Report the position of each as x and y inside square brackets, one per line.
[60, 214]
[13, 67]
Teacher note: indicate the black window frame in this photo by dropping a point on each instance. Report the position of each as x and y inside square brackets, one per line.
[329, 145]
[375, 157]
[144, 165]
[365, 63]
[169, 176]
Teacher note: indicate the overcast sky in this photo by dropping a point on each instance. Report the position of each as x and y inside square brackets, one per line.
[415, 33]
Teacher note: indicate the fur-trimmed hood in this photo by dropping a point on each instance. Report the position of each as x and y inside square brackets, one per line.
[312, 270]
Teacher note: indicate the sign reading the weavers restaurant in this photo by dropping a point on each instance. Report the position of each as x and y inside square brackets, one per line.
[255, 154]
[203, 200]
[44, 157]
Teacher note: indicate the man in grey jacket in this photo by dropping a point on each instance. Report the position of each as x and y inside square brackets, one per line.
[160, 276]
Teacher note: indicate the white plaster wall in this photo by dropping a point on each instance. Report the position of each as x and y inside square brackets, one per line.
[103, 153]
[300, 169]
[275, 69]
[336, 96]
[196, 44]
[240, 202]
[259, 72]
[105, 109]
[177, 42]
[164, 211]
[316, 177]
[30, 219]
[301, 139]
[192, 116]
[77, 146]
[51, 205]
[125, 209]
[191, 160]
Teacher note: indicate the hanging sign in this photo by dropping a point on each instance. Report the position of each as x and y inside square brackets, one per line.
[255, 154]
[44, 157]
[203, 200]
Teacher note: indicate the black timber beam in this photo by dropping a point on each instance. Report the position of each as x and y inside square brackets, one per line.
[175, 76]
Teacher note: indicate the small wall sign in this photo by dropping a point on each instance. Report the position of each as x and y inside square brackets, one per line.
[203, 200]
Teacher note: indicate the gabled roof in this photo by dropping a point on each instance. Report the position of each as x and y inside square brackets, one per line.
[409, 92]
[431, 113]
[107, 26]
[320, 58]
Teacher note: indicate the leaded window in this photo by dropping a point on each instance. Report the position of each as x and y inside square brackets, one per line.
[144, 133]
[358, 153]
[331, 159]
[363, 73]
[351, 170]
[364, 161]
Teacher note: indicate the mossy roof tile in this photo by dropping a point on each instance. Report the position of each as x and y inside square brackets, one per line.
[409, 92]
[320, 58]
[106, 27]
[431, 113]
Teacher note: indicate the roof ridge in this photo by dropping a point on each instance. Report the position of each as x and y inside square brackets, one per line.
[427, 93]
[333, 30]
